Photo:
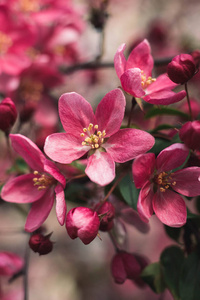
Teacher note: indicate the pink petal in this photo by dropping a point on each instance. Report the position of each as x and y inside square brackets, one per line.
[162, 83]
[75, 113]
[60, 204]
[100, 168]
[140, 57]
[126, 144]
[64, 148]
[110, 112]
[144, 205]
[171, 157]
[164, 97]
[187, 181]
[53, 170]
[120, 61]
[40, 211]
[170, 208]
[130, 216]
[10, 263]
[142, 168]
[131, 82]
[29, 151]
[21, 190]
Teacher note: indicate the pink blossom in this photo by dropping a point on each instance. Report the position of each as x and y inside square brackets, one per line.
[98, 133]
[82, 222]
[8, 115]
[10, 263]
[160, 186]
[38, 187]
[135, 75]
[190, 135]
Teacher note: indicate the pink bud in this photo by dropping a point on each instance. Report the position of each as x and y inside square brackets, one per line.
[8, 114]
[82, 222]
[106, 212]
[40, 243]
[125, 266]
[190, 135]
[181, 68]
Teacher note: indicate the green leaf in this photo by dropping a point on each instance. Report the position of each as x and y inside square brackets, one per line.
[79, 166]
[171, 261]
[152, 275]
[189, 284]
[173, 233]
[129, 192]
[165, 110]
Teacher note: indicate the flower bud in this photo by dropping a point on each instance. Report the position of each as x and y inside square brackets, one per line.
[40, 243]
[106, 212]
[190, 135]
[82, 222]
[181, 69]
[124, 266]
[8, 115]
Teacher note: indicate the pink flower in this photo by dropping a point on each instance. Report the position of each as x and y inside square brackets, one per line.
[8, 115]
[10, 263]
[82, 222]
[190, 135]
[160, 186]
[98, 133]
[135, 75]
[38, 187]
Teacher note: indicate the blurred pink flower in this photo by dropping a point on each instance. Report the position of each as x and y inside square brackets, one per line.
[38, 187]
[98, 133]
[160, 186]
[135, 75]
[10, 263]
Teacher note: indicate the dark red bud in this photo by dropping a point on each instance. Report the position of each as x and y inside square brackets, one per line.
[196, 56]
[8, 115]
[106, 212]
[40, 243]
[190, 135]
[181, 69]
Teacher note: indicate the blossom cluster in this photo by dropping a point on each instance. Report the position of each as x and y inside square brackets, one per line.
[104, 147]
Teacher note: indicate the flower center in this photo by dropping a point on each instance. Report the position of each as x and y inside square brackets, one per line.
[94, 137]
[30, 90]
[146, 81]
[5, 42]
[164, 180]
[42, 180]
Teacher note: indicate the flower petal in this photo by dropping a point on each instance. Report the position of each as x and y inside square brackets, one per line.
[110, 112]
[75, 113]
[187, 181]
[60, 204]
[140, 57]
[64, 148]
[142, 168]
[53, 170]
[40, 211]
[127, 143]
[131, 82]
[120, 60]
[100, 168]
[29, 151]
[21, 190]
[171, 157]
[164, 97]
[170, 208]
[162, 83]
[144, 205]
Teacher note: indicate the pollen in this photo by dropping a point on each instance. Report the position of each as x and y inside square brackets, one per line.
[94, 137]
[164, 181]
[145, 82]
[5, 42]
[42, 181]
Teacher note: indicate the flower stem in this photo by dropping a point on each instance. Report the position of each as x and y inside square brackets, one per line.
[131, 111]
[113, 187]
[26, 265]
[188, 101]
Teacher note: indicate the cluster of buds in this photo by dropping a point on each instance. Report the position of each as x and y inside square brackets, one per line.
[41, 243]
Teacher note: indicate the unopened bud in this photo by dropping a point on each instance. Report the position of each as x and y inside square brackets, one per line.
[40, 243]
[106, 212]
[181, 69]
[8, 115]
[190, 135]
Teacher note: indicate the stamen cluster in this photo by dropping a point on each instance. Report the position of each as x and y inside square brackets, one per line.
[43, 181]
[94, 140]
[164, 181]
[146, 81]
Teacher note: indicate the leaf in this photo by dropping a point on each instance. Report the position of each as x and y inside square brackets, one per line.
[129, 192]
[189, 284]
[164, 110]
[153, 277]
[171, 261]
